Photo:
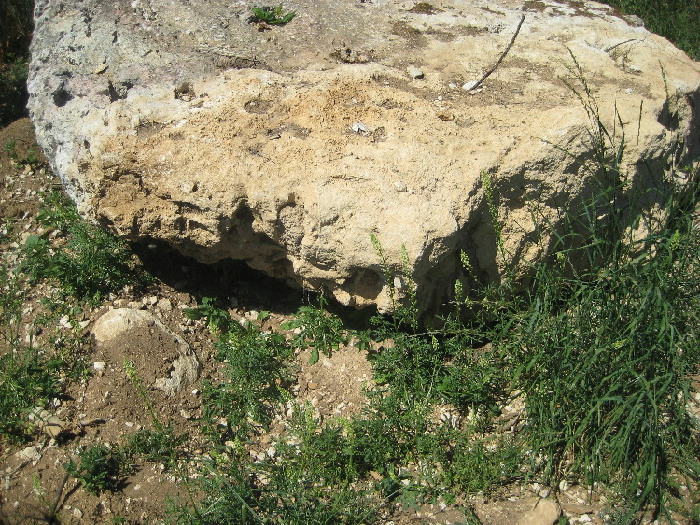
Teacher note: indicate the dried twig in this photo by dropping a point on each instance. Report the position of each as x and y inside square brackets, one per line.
[500, 59]
[608, 49]
[51, 517]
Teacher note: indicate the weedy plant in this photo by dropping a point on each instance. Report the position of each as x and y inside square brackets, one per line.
[257, 371]
[311, 479]
[160, 444]
[218, 320]
[100, 468]
[274, 15]
[31, 157]
[403, 301]
[27, 379]
[89, 265]
[318, 329]
[30, 374]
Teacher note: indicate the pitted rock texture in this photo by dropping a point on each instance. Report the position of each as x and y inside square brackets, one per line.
[290, 147]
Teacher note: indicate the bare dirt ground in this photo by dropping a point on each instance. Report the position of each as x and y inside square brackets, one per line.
[105, 406]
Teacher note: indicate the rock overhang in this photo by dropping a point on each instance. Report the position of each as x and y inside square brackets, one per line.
[290, 148]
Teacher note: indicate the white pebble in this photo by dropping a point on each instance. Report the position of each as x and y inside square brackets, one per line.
[415, 72]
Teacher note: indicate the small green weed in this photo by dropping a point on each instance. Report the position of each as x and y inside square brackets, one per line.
[476, 465]
[323, 451]
[100, 468]
[275, 15]
[58, 212]
[318, 329]
[159, 445]
[29, 156]
[27, 379]
[90, 264]
[132, 375]
[404, 308]
[218, 319]
[29, 376]
[11, 149]
[257, 370]
[310, 482]
[31, 371]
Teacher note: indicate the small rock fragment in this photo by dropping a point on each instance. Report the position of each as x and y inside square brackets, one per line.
[47, 422]
[415, 72]
[165, 304]
[546, 512]
[634, 20]
[400, 186]
[360, 128]
[54, 426]
[578, 508]
[30, 454]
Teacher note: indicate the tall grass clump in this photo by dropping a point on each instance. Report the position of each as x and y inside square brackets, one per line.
[604, 351]
[605, 358]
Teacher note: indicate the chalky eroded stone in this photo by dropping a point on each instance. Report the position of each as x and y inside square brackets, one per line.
[289, 148]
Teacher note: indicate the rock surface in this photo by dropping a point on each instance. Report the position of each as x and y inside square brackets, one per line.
[543, 512]
[289, 148]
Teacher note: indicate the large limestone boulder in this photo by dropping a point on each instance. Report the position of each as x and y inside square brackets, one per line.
[290, 147]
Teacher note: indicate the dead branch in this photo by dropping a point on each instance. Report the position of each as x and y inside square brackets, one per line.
[607, 50]
[500, 59]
